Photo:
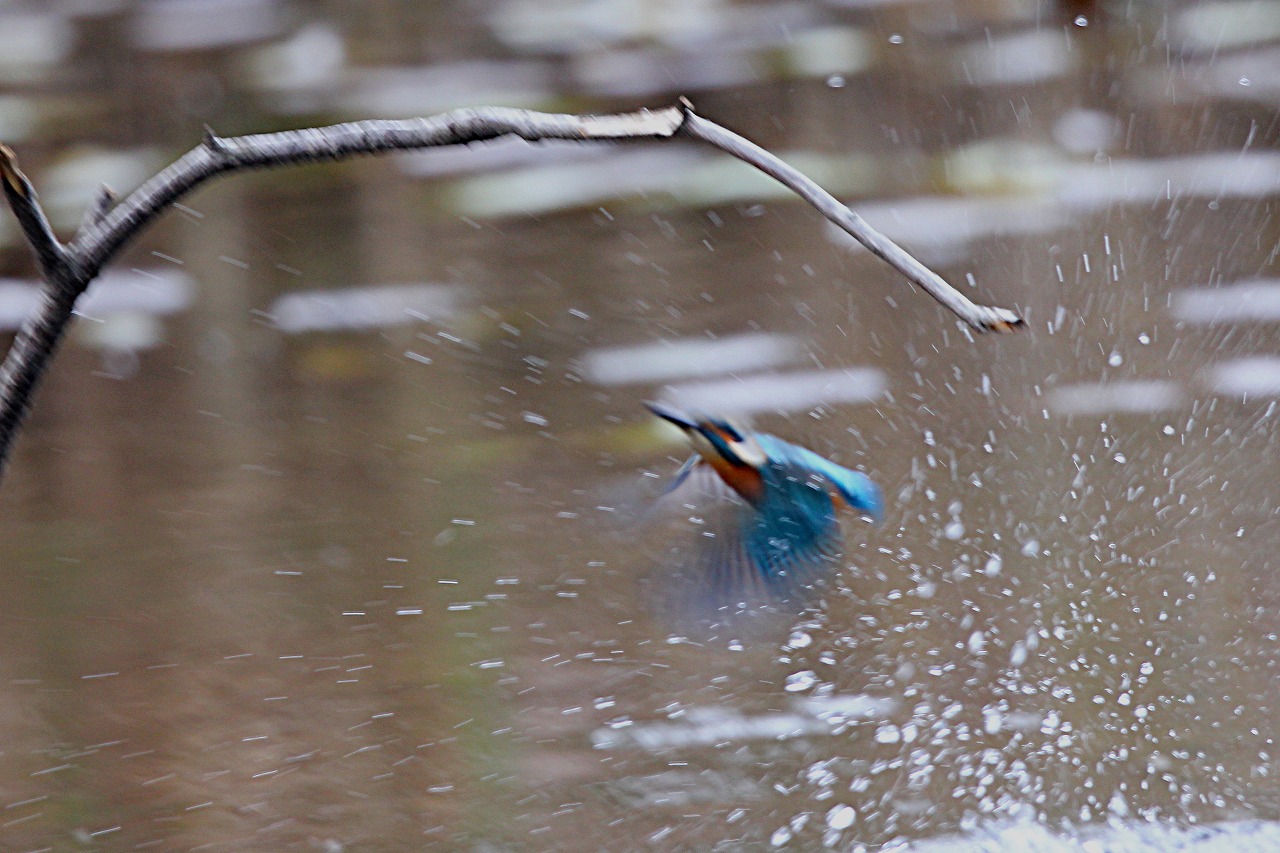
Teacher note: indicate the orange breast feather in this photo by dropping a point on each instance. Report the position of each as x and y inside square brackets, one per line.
[743, 479]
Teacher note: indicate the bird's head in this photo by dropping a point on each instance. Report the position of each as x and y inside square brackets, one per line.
[734, 453]
[716, 439]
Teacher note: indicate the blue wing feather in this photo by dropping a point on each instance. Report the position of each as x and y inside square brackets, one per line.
[794, 534]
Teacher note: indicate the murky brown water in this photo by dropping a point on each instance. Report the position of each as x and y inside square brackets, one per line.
[369, 588]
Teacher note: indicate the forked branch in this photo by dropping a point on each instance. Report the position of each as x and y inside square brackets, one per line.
[67, 270]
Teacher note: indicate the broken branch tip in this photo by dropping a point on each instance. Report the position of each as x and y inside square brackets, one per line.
[14, 180]
[1004, 322]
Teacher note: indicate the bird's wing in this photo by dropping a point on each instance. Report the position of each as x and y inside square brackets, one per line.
[726, 573]
[795, 538]
[717, 570]
[746, 557]
[743, 561]
[696, 483]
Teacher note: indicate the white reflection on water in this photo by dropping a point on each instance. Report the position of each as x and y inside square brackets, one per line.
[18, 117]
[152, 292]
[1216, 175]
[822, 51]
[709, 725]
[1252, 76]
[1212, 27]
[647, 71]
[1096, 398]
[204, 24]
[605, 26]
[542, 188]
[362, 307]
[1024, 57]
[405, 92]
[1242, 302]
[31, 43]
[663, 360]
[1246, 836]
[1082, 131]
[303, 69]
[779, 392]
[1258, 376]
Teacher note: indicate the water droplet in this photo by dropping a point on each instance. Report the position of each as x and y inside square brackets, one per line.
[954, 530]
[835, 81]
[1115, 360]
[799, 639]
[841, 817]
[802, 680]
[1245, 81]
[888, 734]
[896, 38]
[992, 720]
[1081, 21]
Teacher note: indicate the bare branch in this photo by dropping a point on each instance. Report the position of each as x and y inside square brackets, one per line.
[49, 253]
[67, 271]
[217, 155]
[980, 317]
[27, 358]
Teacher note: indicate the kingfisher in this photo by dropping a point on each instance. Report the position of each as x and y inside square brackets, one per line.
[781, 532]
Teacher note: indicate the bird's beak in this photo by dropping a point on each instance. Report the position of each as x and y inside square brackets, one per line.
[675, 416]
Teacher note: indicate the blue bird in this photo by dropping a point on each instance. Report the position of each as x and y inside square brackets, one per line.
[782, 533]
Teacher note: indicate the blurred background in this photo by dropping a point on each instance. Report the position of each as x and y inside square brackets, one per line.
[316, 538]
